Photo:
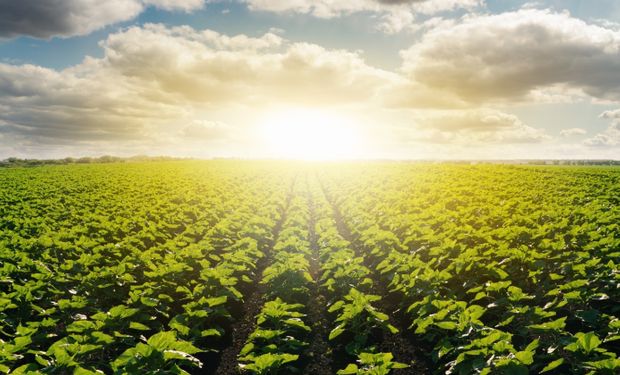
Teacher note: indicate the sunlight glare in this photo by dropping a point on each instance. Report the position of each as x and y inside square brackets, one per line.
[308, 134]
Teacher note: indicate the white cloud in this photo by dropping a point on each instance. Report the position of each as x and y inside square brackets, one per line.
[512, 56]
[473, 127]
[611, 136]
[50, 106]
[201, 130]
[394, 22]
[155, 77]
[158, 85]
[210, 68]
[337, 8]
[185, 5]
[612, 114]
[572, 131]
[411, 94]
[395, 16]
[44, 19]
[431, 7]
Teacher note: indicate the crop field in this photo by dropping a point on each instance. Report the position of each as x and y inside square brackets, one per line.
[248, 267]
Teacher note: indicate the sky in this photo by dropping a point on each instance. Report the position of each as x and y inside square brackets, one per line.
[311, 79]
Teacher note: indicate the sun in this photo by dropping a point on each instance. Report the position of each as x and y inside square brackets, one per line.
[310, 134]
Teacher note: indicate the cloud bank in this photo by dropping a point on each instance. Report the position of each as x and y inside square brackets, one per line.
[611, 136]
[395, 15]
[157, 75]
[48, 18]
[156, 83]
[509, 56]
[66, 18]
[572, 132]
[474, 127]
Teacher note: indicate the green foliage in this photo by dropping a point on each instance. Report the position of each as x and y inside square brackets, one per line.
[280, 334]
[288, 276]
[162, 353]
[358, 318]
[372, 364]
[495, 269]
[94, 258]
[486, 259]
[268, 363]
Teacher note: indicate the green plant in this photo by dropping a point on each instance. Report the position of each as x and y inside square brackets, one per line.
[277, 340]
[358, 318]
[268, 363]
[162, 353]
[372, 364]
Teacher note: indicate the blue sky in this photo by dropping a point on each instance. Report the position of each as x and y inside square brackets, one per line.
[422, 79]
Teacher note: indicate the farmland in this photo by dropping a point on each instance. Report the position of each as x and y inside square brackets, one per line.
[227, 267]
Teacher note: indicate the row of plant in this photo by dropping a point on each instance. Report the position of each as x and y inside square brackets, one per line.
[347, 283]
[211, 302]
[144, 268]
[496, 276]
[281, 332]
[89, 306]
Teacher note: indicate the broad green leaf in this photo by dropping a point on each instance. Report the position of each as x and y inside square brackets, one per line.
[350, 369]
[552, 365]
[446, 325]
[138, 326]
[588, 341]
[336, 332]
[555, 325]
[162, 340]
[525, 357]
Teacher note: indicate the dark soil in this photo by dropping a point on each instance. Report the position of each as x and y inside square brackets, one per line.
[225, 362]
[321, 357]
[402, 345]
[318, 356]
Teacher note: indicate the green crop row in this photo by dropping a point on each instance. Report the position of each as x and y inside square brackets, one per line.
[280, 335]
[347, 282]
[82, 301]
[503, 270]
[147, 268]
